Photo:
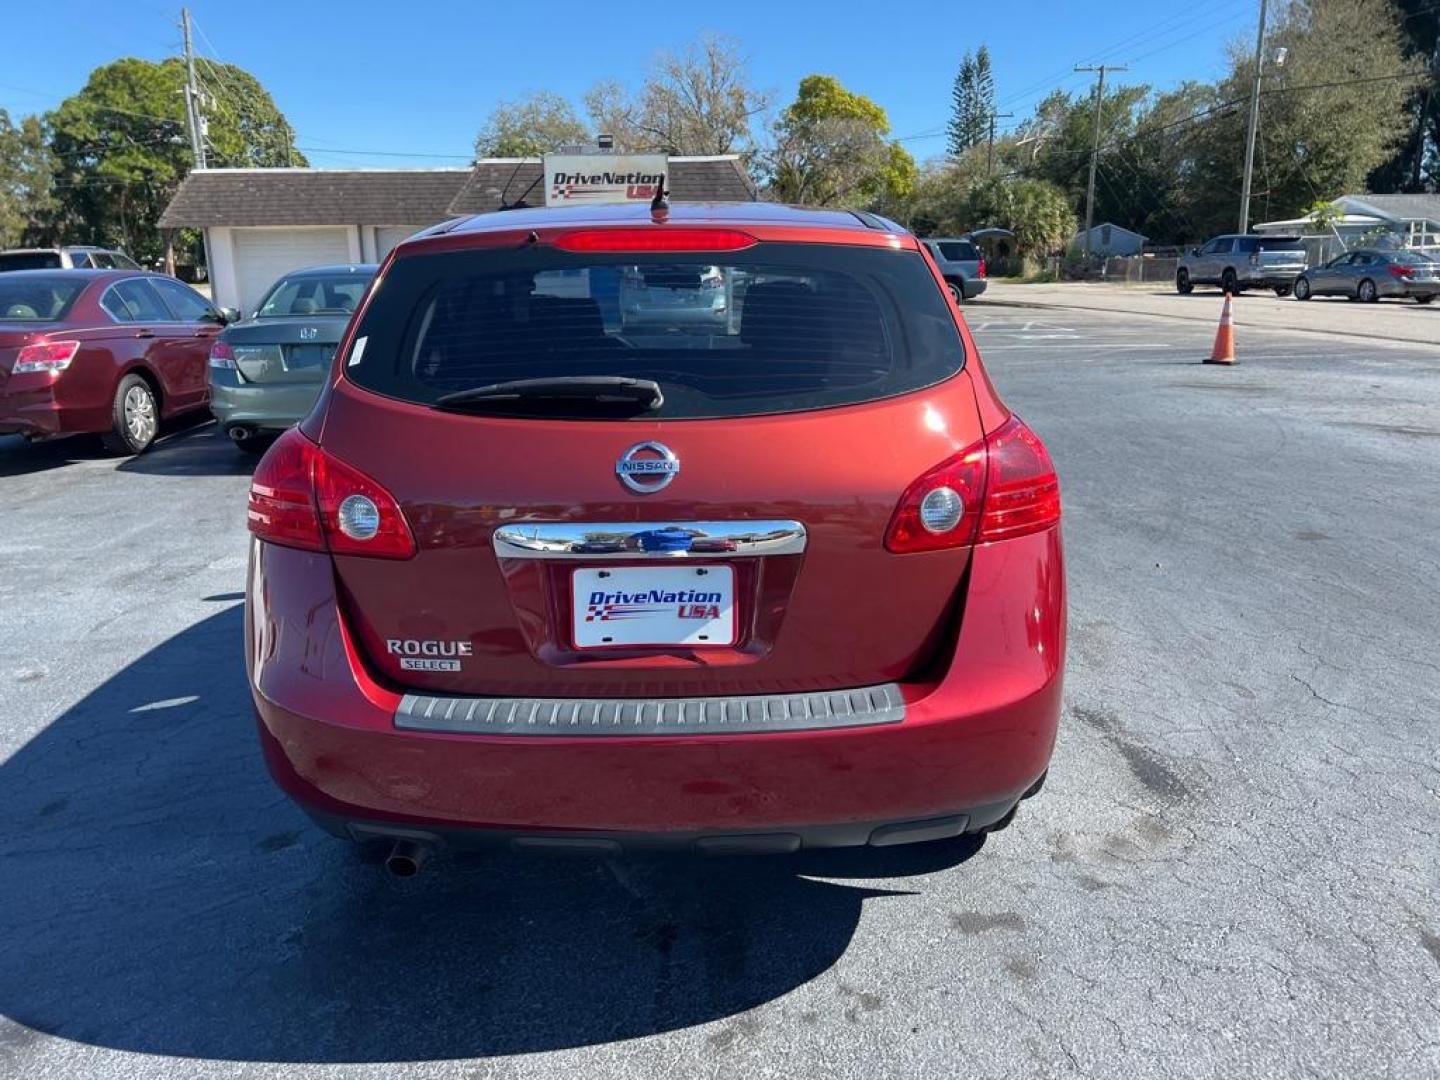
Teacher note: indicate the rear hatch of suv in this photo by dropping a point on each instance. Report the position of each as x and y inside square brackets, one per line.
[1274, 254]
[680, 505]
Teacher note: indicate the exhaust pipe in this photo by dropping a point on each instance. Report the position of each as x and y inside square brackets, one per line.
[239, 433]
[406, 858]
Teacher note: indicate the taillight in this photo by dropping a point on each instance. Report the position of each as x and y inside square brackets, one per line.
[1001, 487]
[1022, 492]
[660, 238]
[222, 356]
[52, 356]
[980, 271]
[302, 497]
[1401, 271]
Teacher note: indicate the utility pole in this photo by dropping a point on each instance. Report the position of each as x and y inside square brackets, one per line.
[1095, 154]
[990, 146]
[193, 114]
[1254, 123]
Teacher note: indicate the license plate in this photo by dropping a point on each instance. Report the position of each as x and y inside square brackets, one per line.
[653, 605]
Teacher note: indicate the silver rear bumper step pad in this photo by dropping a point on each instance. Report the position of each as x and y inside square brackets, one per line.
[818, 711]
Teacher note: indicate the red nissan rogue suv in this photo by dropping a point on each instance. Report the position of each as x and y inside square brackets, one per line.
[616, 527]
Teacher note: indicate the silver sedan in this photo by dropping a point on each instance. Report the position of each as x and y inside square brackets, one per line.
[1368, 275]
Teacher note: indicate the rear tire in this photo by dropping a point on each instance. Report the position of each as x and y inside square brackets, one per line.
[1302, 288]
[1366, 292]
[1424, 299]
[134, 416]
[1229, 282]
[1183, 285]
[1282, 290]
[957, 292]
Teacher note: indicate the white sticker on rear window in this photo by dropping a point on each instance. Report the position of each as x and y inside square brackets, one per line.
[357, 350]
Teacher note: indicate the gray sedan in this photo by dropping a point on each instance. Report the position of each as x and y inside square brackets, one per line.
[1368, 275]
[267, 370]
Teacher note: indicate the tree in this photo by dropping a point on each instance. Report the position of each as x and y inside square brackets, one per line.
[27, 180]
[121, 147]
[830, 147]
[1321, 134]
[529, 127]
[1415, 165]
[972, 103]
[695, 101]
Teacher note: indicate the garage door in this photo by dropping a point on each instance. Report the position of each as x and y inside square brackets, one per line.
[262, 256]
[387, 236]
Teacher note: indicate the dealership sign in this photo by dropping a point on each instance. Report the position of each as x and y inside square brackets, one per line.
[584, 179]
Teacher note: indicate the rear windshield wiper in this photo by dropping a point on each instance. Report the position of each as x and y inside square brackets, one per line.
[602, 389]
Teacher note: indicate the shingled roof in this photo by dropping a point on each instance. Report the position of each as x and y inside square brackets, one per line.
[692, 179]
[314, 197]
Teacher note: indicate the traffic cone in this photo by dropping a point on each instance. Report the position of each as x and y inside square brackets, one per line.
[1224, 350]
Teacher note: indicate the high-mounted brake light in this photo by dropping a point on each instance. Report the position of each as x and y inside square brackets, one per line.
[52, 356]
[656, 239]
[303, 497]
[1001, 487]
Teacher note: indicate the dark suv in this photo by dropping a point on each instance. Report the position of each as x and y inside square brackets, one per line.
[962, 265]
[537, 570]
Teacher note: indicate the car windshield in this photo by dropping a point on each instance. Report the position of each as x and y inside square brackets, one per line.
[37, 297]
[29, 260]
[774, 328]
[314, 294]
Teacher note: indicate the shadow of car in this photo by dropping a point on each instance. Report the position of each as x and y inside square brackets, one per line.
[160, 896]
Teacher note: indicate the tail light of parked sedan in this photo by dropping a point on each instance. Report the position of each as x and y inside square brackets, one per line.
[222, 356]
[1399, 271]
[303, 497]
[1000, 487]
[51, 356]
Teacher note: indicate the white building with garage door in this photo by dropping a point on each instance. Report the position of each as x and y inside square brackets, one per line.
[260, 224]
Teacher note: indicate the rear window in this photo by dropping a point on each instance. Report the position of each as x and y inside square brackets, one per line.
[313, 294]
[774, 328]
[1410, 258]
[1250, 244]
[959, 251]
[38, 297]
[29, 260]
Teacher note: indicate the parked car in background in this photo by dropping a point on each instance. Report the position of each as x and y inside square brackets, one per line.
[1369, 275]
[524, 577]
[1238, 262]
[961, 264]
[266, 370]
[103, 351]
[73, 257]
[689, 299]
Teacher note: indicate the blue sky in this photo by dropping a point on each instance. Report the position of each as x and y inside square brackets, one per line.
[385, 83]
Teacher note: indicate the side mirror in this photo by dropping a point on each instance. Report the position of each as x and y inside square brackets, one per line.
[229, 314]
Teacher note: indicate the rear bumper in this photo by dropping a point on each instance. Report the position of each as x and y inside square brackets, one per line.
[971, 742]
[1270, 279]
[974, 287]
[267, 406]
[35, 412]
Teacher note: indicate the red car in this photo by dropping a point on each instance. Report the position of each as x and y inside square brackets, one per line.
[527, 574]
[105, 351]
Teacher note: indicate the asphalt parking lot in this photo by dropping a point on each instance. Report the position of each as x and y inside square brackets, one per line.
[1233, 871]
